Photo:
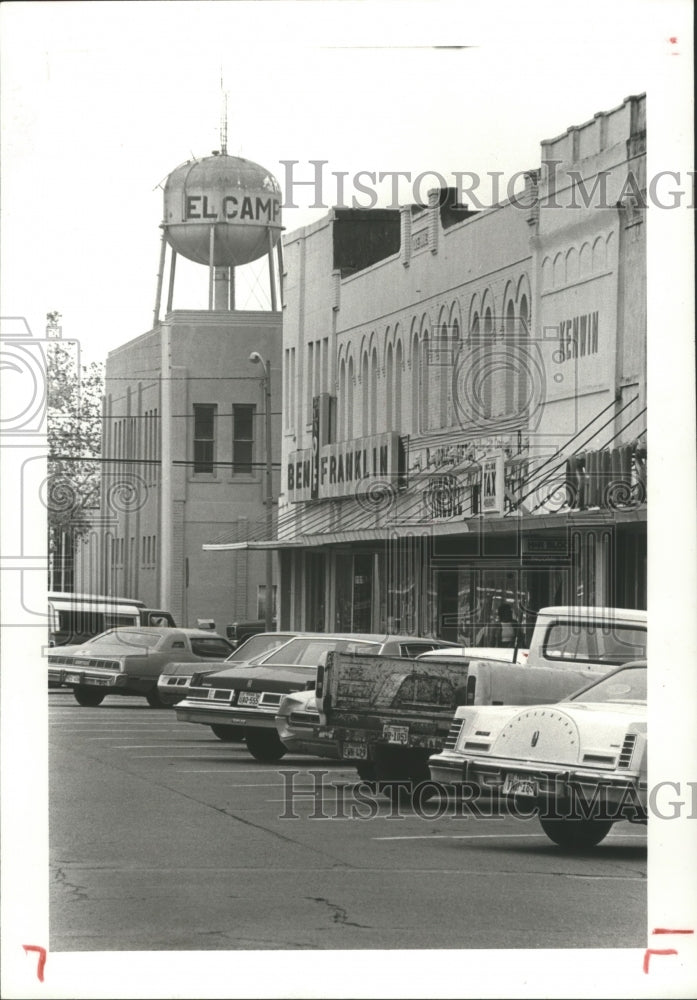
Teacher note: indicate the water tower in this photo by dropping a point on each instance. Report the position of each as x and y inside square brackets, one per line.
[221, 211]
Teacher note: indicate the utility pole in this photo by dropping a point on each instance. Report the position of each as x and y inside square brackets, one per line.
[266, 366]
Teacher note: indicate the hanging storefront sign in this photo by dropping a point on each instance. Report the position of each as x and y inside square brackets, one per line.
[344, 468]
[492, 484]
[314, 472]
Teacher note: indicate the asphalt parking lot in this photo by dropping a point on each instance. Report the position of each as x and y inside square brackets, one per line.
[162, 837]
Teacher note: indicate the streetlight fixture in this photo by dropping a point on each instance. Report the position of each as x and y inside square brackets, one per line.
[257, 359]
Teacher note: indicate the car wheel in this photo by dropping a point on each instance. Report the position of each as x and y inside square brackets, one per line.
[228, 734]
[408, 793]
[576, 833]
[89, 697]
[264, 744]
[366, 772]
[155, 701]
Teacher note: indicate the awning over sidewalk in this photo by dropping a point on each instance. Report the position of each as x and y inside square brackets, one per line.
[473, 525]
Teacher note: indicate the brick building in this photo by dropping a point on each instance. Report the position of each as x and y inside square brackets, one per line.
[464, 399]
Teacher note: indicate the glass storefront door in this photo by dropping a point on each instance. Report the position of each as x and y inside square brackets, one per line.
[315, 584]
[354, 592]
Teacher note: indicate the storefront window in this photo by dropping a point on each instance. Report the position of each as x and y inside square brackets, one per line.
[354, 592]
[403, 567]
[314, 591]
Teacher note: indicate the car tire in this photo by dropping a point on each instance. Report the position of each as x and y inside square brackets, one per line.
[88, 697]
[407, 792]
[228, 734]
[367, 775]
[155, 701]
[264, 745]
[576, 834]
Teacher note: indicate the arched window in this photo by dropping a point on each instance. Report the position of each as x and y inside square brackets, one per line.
[374, 392]
[389, 389]
[512, 361]
[396, 424]
[349, 400]
[365, 395]
[451, 373]
[415, 384]
[426, 370]
[522, 402]
[342, 402]
[444, 363]
[485, 373]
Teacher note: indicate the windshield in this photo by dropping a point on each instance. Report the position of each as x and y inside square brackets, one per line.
[308, 652]
[258, 645]
[587, 642]
[147, 640]
[214, 648]
[625, 685]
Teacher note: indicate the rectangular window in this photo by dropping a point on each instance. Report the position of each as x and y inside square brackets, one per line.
[204, 436]
[243, 438]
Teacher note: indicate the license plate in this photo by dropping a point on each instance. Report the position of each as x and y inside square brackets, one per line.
[249, 698]
[396, 734]
[354, 751]
[72, 678]
[518, 784]
[96, 680]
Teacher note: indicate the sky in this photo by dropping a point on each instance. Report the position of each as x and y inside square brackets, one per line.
[101, 101]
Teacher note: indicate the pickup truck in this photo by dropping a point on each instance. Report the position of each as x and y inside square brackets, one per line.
[388, 715]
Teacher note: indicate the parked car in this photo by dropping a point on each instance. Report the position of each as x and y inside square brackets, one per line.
[249, 696]
[298, 714]
[582, 761]
[239, 632]
[76, 618]
[175, 680]
[129, 661]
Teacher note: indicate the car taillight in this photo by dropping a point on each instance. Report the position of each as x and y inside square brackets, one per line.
[471, 687]
[319, 683]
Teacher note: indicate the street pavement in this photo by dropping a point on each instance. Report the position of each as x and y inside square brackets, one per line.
[163, 838]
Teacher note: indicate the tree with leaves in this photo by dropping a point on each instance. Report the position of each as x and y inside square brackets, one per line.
[74, 418]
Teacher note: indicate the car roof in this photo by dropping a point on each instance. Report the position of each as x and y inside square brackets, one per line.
[377, 637]
[583, 611]
[473, 652]
[198, 633]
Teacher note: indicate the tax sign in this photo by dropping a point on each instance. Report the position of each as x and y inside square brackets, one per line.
[492, 484]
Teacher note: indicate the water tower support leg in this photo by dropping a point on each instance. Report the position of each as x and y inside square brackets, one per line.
[172, 270]
[211, 269]
[272, 276]
[160, 275]
[279, 251]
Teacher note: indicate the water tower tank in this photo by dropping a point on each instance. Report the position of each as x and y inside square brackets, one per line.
[241, 199]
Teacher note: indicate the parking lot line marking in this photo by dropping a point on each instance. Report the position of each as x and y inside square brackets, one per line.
[172, 756]
[238, 770]
[479, 836]
[174, 746]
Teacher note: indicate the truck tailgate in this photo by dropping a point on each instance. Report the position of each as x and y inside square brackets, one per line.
[398, 686]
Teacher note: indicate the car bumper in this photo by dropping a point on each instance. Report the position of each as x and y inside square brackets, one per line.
[515, 778]
[209, 714]
[305, 741]
[173, 689]
[93, 678]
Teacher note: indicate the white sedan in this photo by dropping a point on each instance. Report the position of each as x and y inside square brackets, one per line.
[581, 761]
